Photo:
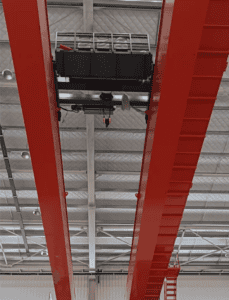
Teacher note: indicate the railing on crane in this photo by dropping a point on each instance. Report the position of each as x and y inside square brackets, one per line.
[103, 42]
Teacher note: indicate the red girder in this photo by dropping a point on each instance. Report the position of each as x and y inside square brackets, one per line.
[28, 30]
[191, 57]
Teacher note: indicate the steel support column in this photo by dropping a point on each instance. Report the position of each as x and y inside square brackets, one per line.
[91, 189]
[88, 27]
[28, 30]
[189, 66]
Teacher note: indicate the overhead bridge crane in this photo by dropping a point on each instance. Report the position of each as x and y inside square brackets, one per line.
[192, 52]
[103, 62]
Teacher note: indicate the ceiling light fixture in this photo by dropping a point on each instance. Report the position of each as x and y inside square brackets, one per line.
[25, 155]
[7, 74]
[36, 212]
[44, 252]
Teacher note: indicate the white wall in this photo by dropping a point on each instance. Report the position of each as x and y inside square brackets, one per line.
[110, 287]
[202, 288]
[26, 287]
[38, 287]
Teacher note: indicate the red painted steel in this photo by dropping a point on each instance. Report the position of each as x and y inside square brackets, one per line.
[189, 67]
[65, 47]
[28, 30]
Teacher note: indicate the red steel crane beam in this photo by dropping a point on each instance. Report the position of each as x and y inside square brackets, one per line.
[189, 66]
[28, 30]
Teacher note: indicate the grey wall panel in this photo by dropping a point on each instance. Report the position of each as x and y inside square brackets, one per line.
[81, 287]
[26, 287]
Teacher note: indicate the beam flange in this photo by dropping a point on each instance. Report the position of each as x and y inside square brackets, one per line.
[28, 30]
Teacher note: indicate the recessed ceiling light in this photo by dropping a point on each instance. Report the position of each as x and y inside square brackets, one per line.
[25, 155]
[44, 252]
[7, 74]
[36, 212]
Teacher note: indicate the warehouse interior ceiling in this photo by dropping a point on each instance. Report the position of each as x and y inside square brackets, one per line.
[202, 243]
